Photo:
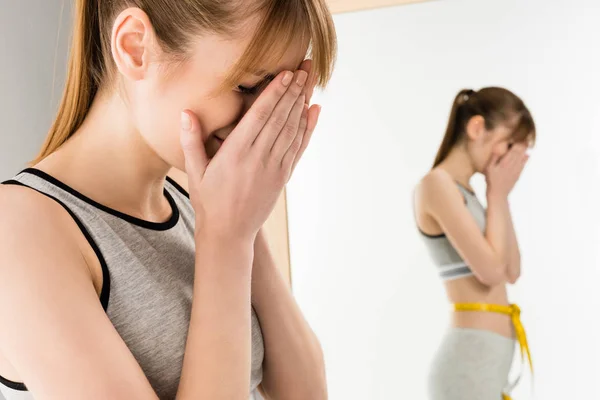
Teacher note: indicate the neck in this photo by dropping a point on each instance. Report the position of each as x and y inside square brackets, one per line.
[459, 165]
[109, 161]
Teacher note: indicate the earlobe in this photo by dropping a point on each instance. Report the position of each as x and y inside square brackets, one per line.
[130, 43]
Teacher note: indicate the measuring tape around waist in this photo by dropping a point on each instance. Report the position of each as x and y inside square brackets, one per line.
[514, 312]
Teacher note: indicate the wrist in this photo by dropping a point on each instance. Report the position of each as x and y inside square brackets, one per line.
[495, 196]
[218, 235]
[214, 242]
[497, 200]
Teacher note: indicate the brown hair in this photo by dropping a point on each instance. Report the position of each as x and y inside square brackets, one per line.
[175, 22]
[497, 106]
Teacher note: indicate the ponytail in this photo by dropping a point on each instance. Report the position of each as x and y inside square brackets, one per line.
[83, 77]
[453, 129]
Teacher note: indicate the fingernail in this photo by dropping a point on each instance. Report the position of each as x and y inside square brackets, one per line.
[302, 77]
[186, 122]
[287, 78]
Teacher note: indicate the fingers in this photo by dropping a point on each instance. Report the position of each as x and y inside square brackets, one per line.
[291, 131]
[192, 145]
[522, 162]
[279, 121]
[313, 115]
[514, 156]
[261, 111]
[288, 159]
[493, 161]
[310, 86]
[508, 159]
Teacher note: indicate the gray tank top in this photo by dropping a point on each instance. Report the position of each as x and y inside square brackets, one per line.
[148, 271]
[446, 258]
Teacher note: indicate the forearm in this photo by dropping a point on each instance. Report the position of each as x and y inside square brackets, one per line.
[498, 228]
[218, 351]
[514, 263]
[294, 367]
[502, 236]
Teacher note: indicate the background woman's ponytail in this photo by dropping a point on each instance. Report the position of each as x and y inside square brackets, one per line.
[83, 76]
[497, 106]
[452, 130]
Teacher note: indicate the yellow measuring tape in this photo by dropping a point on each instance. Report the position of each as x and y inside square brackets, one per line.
[515, 313]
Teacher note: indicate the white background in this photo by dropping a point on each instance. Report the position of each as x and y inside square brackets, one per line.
[360, 271]
[34, 38]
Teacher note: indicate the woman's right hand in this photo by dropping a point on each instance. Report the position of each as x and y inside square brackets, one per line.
[234, 193]
[503, 173]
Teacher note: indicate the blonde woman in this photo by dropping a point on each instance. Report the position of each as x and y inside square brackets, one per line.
[114, 282]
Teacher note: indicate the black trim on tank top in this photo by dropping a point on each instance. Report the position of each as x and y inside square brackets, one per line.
[156, 226]
[13, 385]
[441, 235]
[104, 292]
[178, 187]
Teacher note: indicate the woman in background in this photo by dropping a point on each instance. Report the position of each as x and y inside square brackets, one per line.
[475, 249]
[115, 283]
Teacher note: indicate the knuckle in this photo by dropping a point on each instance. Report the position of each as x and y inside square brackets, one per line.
[262, 114]
[295, 91]
[296, 145]
[279, 122]
[280, 90]
[290, 131]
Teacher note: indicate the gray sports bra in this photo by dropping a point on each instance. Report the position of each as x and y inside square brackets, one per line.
[148, 271]
[446, 258]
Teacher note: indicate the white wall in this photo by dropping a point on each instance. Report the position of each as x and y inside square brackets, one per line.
[34, 36]
[360, 271]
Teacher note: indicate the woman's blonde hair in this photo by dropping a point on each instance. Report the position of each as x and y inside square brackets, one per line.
[281, 23]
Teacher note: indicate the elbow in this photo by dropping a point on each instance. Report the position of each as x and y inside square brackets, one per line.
[308, 380]
[514, 273]
[317, 392]
[494, 276]
[319, 388]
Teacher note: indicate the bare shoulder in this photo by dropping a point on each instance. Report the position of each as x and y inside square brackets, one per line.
[32, 227]
[23, 209]
[435, 185]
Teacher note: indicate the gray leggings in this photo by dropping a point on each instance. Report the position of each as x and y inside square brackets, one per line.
[471, 364]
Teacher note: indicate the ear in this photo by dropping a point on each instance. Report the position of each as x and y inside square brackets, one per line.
[133, 43]
[475, 127]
